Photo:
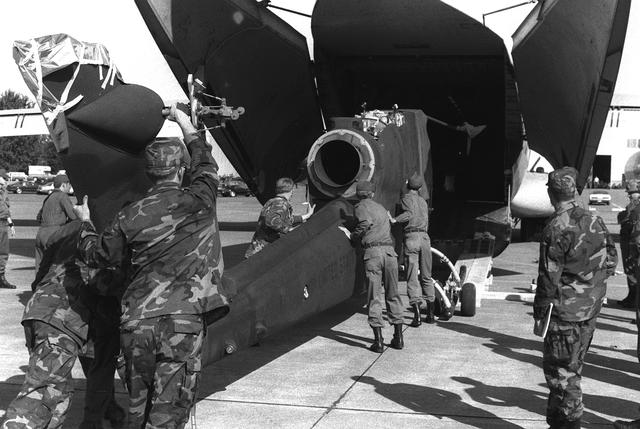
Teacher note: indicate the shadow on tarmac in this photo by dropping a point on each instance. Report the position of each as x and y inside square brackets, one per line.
[536, 402]
[613, 371]
[22, 247]
[422, 399]
[237, 226]
[499, 272]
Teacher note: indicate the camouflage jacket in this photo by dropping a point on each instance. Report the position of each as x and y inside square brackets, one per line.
[170, 243]
[629, 220]
[4, 205]
[373, 228]
[276, 219]
[577, 255]
[60, 292]
[415, 213]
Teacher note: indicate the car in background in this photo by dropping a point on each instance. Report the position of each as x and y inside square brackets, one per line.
[47, 188]
[232, 187]
[20, 186]
[600, 196]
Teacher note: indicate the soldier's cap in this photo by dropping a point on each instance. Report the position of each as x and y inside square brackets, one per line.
[562, 181]
[364, 187]
[632, 187]
[59, 180]
[284, 185]
[164, 155]
[415, 182]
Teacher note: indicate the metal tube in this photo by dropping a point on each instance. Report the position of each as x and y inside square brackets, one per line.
[448, 262]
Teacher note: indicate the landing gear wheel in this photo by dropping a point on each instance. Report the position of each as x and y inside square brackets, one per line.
[468, 300]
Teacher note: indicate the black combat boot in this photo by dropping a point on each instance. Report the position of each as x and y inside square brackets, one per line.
[397, 342]
[430, 318]
[417, 321]
[634, 424]
[4, 284]
[378, 341]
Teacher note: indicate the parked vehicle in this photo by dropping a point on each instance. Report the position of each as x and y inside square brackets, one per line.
[600, 197]
[232, 187]
[47, 188]
[20, 186]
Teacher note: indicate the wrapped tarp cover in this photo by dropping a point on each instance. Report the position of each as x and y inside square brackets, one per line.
[38, 58]
[99, 124]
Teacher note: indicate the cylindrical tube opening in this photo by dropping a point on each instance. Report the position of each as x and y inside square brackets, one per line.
[338, 163]
[338, 159]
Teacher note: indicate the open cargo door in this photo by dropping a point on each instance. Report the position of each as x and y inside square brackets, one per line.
[248, 55]
[566, 55]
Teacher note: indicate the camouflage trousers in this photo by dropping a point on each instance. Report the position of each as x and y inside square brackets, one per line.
[565, 348]
[45, 395]
[381, 270]
[417, 247]
[4, 246]
[162, 368]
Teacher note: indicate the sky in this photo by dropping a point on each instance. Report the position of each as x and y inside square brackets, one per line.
[117, 24]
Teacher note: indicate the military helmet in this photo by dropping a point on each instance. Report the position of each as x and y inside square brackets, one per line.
[284, 185]
[632, 186]
[164, 155]
[562, 181]
[415, 182]
[59, 180]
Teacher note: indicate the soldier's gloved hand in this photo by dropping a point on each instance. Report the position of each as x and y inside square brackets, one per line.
[538, 311]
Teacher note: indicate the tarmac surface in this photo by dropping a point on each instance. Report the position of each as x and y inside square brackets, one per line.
[468, 372]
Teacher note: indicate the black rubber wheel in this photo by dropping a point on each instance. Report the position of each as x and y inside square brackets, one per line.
[468, 300]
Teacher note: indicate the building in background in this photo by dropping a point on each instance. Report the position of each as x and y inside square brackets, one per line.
[619, 142]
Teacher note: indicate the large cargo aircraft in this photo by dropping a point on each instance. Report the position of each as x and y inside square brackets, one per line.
[396, 87]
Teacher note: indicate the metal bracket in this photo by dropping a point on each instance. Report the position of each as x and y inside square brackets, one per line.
[198, 109]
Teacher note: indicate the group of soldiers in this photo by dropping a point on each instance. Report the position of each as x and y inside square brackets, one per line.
[96, 295]
[629, 220]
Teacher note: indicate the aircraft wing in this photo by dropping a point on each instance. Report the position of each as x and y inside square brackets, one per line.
[248, 55]
[566, 56]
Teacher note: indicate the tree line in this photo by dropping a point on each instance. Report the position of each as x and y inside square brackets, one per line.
[18, 152]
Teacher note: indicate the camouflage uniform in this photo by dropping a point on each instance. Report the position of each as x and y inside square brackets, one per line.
[629, 221]
[276, 219]
[417, 246]
[56, 325]
[170, 242]
[5, 225]
[576, 257]
[381, 263]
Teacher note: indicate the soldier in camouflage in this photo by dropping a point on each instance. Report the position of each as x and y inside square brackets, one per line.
[276, 217]
[628, 218]
[56, 325]
[381, 266]
[6, 229]
[170, 242]
[417, 246]
[577, 255]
